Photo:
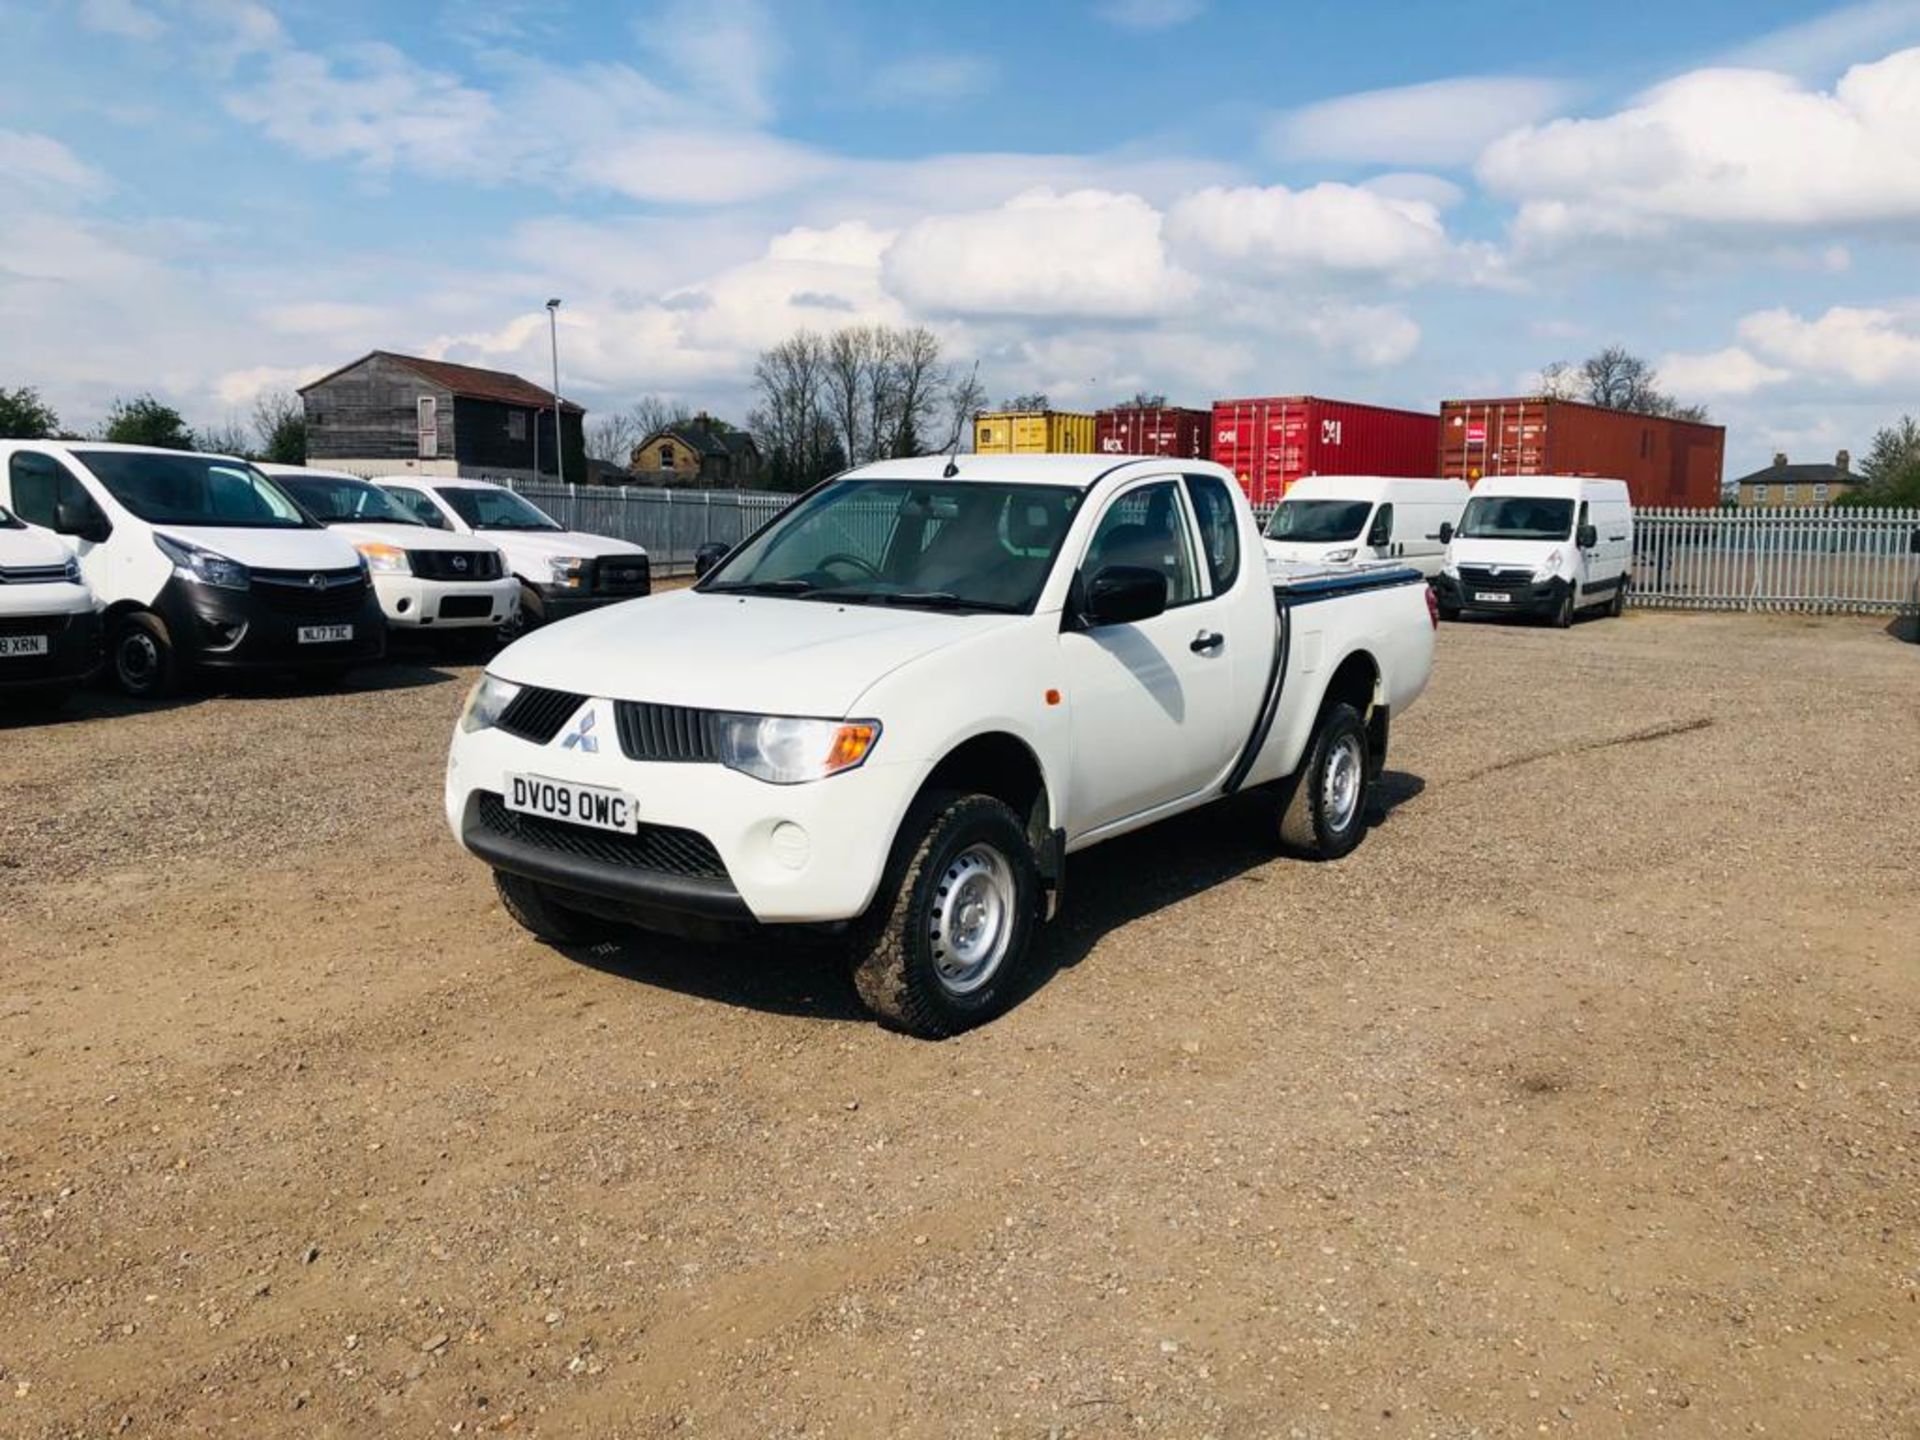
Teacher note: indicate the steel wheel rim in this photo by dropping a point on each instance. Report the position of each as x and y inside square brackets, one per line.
[971, 927]
[139, 658]
[1341, 790]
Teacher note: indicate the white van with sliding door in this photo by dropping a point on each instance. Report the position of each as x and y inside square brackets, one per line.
[1547, 545]
[1359, 519]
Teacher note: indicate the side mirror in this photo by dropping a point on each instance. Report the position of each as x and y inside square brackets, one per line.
[80, 521]
[1586, 537]
[1381, 533]
[1446, 532]
[1125, 595]
[707, 557]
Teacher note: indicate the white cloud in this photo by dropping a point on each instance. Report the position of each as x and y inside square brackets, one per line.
[1090, 253]
[1432, 190]
[238, 388]
[1871, 348]
[723, 54]
[1827, 42]
[1338, 229]
[31, 161]
[120, 17]
[1149, 14]
[1440, 122]
[1722, 148]
[929, 80]
[1732, 371]
[689, 167]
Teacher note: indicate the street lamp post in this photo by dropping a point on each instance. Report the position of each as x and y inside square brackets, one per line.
[559, 440]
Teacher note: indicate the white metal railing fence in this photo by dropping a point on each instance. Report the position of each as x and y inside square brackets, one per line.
[1812, 560]
[669, 524]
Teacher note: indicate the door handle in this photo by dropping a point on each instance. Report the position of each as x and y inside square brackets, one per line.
[1206, 642]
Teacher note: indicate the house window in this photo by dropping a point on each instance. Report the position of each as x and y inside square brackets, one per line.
[666, 456]
[1788, 493]
[516, 425]
[1821, 494]
[1761, 494]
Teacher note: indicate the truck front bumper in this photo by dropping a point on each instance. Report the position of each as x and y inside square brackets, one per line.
[73, 650]
[713, 844]
[411, 603]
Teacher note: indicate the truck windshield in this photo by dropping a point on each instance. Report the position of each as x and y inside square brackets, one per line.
[1318, 521]
[193, 490]
[494, 509]
[934, 544]
[1517, 517]
[334, 501]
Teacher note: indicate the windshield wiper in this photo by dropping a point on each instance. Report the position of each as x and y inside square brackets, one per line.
[943, 600]
[794, 586]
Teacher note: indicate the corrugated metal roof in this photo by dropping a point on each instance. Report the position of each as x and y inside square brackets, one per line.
[467, 381]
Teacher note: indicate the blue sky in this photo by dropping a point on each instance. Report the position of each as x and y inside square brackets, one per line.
[1390, 202]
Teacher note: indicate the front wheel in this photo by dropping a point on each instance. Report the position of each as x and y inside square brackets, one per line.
[1325, 809]
[144, 664]
[539, 911]
[942, 947]
[1563, 612]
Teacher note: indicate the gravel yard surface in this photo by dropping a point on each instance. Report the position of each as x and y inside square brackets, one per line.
[1583, 1099]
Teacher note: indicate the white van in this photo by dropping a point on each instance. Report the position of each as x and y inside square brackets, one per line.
[561, 572]
[425, 578]
[199, 561]
[1357, 519]
[49, 623]
[1540, 545]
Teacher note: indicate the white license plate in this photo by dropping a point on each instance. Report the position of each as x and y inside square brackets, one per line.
[574, 803]
[23, 645]
[1490, 597]
[325, 634]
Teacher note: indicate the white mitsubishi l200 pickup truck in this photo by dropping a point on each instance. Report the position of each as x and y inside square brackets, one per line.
[896, 709]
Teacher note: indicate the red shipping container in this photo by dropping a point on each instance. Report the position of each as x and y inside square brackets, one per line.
[1271, 443]
[1153, 430]
[1664, 462]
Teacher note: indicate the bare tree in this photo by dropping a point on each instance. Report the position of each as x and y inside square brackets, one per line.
[280, 427]
[1142, 400]
[653, 413]
[1616, 379]
[1033, 400]
[961, 399]
[614, 436]
[227, 438]
[791, 420]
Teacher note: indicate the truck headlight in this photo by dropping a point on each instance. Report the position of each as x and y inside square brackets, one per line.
[204, 567]
[568, 571]
[1339, 557]
[486, 702]
[785, 751]
[1548, 568]
[383, 559]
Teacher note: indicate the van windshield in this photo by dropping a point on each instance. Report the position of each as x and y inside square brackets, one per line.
[1318, 521]
[193, 490]
[1516, 517]
[928, 544]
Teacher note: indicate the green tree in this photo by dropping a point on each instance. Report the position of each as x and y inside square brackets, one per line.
[1891, 470]
[143, 420]
[24, 416]
[280, 427]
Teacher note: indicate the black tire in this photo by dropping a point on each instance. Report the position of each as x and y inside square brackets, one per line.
[1617, 606]
[1448, 612]
[539, 912]
[144, 663]
[909, 973]
[527, 617]
[1563, 610]
[1319, 820]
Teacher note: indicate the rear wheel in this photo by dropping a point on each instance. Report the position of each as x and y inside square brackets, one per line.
[1618, 605]
[942, 947]
[144, 663]
[542, 914]
[1563, 612]
[1324, 810]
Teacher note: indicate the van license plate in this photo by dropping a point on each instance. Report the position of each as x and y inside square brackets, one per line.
[23, 644]
[1490, 597]
[574, 803]
[325, 634]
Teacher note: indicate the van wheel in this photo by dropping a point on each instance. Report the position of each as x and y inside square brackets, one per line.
[144, 663]
[539, 912]
[1563, 612]
[1618, 605]
[524, 618]
[941, 949]
[1323, 812]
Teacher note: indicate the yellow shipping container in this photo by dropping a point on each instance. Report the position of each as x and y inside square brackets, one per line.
[1032, 432]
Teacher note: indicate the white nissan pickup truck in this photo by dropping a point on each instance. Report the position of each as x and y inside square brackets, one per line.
[895, 710]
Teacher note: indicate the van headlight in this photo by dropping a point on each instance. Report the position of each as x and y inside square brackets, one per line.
[1548, 568]
[486, 702]
[784, 751]
[1339, 557]
[383, 559]
[190, 562]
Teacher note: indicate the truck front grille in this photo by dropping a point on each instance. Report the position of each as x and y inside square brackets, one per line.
[1502, 577]
[621, 575]
[455, 564]
[670, 733]
[661, 849]
[537, 715]
[312, 594]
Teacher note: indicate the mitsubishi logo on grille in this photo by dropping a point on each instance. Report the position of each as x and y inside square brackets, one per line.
[317, 581]
[581, 737]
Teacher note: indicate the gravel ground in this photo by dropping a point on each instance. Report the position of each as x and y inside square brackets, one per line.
[1583, 1099]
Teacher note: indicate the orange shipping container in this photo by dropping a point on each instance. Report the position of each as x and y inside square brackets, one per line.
[1664, 462]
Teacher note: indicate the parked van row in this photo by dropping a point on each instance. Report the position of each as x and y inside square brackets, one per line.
[1540, 545]
[160, 564]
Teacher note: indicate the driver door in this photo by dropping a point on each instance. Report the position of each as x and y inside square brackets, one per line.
[1150, 703]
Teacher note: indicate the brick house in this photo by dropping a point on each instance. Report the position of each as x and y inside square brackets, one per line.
[700, 451]
[389, 414]
[1784, 483]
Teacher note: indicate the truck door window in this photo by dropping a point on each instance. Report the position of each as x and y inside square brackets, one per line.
[1219, 529]
[41, 484]
[1144, 528]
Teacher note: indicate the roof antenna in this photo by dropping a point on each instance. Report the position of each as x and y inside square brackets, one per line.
[953, 450]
